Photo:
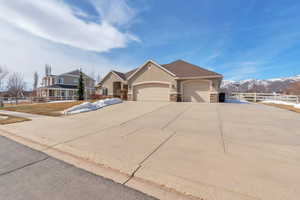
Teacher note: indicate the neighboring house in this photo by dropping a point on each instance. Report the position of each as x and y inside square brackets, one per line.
[64, 86]
[176, 81]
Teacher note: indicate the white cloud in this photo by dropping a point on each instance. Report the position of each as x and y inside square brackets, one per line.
[21, 52]
[114, 11]
[242, 70]
[35, 33]
[55, 21]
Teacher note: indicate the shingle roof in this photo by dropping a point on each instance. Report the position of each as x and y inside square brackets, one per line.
[75, 72]
[179, 68]
[184, 69]
[127, 74]
[122, 75]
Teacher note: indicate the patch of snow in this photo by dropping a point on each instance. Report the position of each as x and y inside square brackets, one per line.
[283, 103]
[3, 117]
[236, 101]
[264, 82]
[14, 101]
[63, 101]
[279, 102]
[87, 106]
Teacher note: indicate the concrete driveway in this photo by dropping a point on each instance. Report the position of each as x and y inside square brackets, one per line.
[179, 150]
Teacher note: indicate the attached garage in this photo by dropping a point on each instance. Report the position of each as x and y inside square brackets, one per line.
[151, 92]
[196, 91]
[177, 81]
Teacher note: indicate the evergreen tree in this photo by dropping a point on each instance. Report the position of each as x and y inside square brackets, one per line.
[81, 87]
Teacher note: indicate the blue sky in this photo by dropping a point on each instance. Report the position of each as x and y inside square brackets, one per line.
[240, 39]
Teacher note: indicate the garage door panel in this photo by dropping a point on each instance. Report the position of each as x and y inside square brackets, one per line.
[196, 91]
[151, 92]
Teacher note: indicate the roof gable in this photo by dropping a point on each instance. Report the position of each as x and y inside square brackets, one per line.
[116, 73]
[133, 72]
[120, 74]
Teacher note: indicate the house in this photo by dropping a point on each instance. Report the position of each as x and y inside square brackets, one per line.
[64, 86]
[177, 81]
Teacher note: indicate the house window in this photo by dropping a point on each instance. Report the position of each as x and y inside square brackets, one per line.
[60, 81]
[104, 91]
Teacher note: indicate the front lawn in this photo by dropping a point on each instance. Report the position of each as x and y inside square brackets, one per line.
[8, 119]
[49, 109]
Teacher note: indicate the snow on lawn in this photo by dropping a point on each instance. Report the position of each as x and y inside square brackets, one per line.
[62, 101]
[236, 101]
[87, 106]
[282, 103]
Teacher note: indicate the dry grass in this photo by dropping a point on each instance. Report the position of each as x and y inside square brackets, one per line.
[14, 104]
[49, 109]
[286, 107]
[11, 119]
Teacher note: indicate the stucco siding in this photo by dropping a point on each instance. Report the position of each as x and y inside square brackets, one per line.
[69, 80]
[151, 72]
[108, 82]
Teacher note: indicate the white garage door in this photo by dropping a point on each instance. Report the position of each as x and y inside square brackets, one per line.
[151, 92]
[196, 91]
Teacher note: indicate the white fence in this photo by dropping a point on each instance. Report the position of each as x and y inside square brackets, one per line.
[257, 97]
[35, 99]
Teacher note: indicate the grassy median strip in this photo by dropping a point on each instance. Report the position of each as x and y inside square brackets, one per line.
[286, 107]
[49, 109]
[8, 119]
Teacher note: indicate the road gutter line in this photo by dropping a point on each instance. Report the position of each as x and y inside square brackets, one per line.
[22, 167]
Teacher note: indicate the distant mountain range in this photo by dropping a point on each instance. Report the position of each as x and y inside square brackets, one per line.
[255, 85]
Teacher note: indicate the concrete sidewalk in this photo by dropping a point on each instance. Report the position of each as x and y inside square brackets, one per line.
[179, 150]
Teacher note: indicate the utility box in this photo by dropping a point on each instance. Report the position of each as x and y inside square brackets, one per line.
[222, 97]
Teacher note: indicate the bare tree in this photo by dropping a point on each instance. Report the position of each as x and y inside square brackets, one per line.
[3, 74]
[293, 88]
[16, 85]
[98, 78]
[35, 82]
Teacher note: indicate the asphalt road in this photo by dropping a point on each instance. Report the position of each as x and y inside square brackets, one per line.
[29, 174]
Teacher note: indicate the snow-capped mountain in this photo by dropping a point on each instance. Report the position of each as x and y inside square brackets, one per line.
[255, 85]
